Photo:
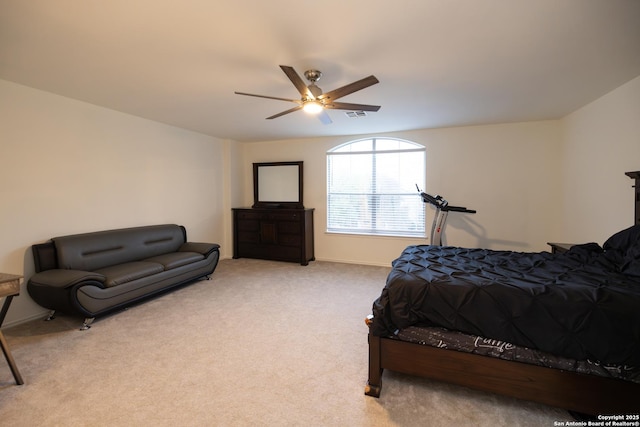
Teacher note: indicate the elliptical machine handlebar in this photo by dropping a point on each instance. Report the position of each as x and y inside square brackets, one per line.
[436, 200]
[442, 210]
[458, 209]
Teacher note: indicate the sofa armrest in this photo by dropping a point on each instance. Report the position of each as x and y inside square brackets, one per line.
[55, 289]
[62, 278]
[202, 248]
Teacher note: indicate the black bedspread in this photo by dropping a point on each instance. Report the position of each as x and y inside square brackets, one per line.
[583, 304]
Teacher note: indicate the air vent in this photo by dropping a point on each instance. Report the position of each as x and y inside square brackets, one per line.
[355, 113]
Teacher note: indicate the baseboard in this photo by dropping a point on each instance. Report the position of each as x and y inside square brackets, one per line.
[40, 315]
[359, 262]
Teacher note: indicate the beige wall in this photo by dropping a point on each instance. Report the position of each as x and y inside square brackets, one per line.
[534, 182]
[601, 143]
[71, 167]
[507, 172]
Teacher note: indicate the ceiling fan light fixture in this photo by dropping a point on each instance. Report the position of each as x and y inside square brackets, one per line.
[312, 107]
[314, 101]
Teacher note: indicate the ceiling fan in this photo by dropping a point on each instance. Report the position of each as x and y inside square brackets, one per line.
[314, 101]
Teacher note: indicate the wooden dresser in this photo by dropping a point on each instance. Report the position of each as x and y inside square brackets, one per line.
[275, 234]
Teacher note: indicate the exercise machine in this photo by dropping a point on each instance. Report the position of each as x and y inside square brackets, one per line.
[442, 211]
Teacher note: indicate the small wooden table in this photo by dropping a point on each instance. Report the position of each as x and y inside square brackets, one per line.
[9, 288]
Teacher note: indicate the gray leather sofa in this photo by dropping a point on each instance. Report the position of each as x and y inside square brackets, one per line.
[95, 273]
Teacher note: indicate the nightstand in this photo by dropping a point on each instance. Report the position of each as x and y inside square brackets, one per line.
[558, 248]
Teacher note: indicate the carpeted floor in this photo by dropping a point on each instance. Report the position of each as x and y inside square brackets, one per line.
[261, 344]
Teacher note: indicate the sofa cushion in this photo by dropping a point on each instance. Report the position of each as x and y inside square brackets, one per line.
[175, 259]
[92, 251]
[123, 273]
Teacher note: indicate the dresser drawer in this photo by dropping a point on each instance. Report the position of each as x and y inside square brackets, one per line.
[285, 216]
[272, 252]
[243, 225]
[249, 215]
[248, 237]
[270, 216]
[289, 227]
[289, 240]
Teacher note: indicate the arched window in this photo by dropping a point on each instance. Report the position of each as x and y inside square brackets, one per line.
[371, 187]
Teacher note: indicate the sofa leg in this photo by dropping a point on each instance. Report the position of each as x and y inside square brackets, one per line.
[51, 316]
[87, 323]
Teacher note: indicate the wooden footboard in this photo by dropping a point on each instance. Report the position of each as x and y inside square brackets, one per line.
[587, 394]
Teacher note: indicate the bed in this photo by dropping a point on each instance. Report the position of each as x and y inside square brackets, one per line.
[561, 329]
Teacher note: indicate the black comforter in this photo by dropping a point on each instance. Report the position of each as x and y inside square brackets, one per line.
[583, 304]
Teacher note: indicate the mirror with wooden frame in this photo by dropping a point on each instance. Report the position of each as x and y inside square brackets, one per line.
[277, 185]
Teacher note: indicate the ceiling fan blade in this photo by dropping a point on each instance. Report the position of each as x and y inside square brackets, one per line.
[291, 110]
[350, 88]
[297, 81]
[268, 97]
[324, 117]
[352, 107]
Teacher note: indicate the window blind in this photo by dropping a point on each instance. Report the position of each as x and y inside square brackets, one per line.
[373, 191]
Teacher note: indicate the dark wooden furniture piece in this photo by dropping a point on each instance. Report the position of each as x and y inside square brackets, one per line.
[273, 234]
[587, 394]
[636, 176]
[558, 248]
[9, 287]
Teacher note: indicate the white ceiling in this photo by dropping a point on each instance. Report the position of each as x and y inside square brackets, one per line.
[439, 62]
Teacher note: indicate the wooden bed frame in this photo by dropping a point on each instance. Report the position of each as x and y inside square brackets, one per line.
[587, 394]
